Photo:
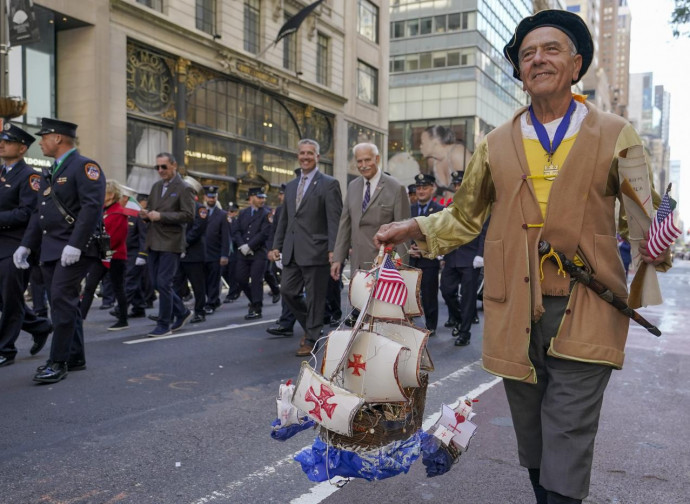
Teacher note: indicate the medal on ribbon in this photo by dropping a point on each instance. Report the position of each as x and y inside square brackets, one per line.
[551, 169]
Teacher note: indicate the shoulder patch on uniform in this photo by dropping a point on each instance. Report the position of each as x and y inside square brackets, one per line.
[35, 182]
[93, 172]
[203, 212]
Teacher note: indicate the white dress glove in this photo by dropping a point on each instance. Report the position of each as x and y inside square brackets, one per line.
[70, 255]
[245, 249]
[478, 262]
[20, 258]
[140, 261]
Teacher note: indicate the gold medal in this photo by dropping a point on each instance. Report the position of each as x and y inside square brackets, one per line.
[550, 171]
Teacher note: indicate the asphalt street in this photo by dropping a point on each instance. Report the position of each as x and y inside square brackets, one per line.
[186, 420]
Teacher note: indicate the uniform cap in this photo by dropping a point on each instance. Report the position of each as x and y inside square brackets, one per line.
[49, 126]
[282, 188]
[456, 177]
[232, 207]
[211, 191]
[424, 179]
[13, 133]
[256, 191]
[412, 189]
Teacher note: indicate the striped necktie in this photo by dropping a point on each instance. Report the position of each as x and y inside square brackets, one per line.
[300, 191]
[367, 197]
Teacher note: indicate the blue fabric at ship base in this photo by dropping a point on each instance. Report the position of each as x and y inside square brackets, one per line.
[377, 464]
[287, 432]
[435, 456]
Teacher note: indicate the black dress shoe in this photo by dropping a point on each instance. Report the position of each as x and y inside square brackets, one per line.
[463, 339]
[6, 361]
[105, 306]
[199, 317]
[209, 310]
[252, 315]
[475, 320]
[39, 342]
[136, 314]
[279, 331]
[52, 373]
[72, 365]
[275, 298]
[450, 323]
[153, 317]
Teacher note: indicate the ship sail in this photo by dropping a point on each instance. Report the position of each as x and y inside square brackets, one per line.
[362, 283]
[372, 365]
[331, 406]
[415, 340]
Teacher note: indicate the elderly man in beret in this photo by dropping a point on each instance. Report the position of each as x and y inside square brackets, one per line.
[550, 173]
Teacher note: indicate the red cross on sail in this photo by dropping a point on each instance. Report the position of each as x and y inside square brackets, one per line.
[357, 364]
[320, 401]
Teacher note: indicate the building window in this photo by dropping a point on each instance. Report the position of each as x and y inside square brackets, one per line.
[252, 16]
[398, 29]
[368, 20]
[290, 49]
[322, 59]
[153, 4]
[206, 16]
[367, 83]
[425, 26]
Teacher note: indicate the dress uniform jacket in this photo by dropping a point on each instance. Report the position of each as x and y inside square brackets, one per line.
[431, 207]
[217, 231]
[136, 238]
[79, 184]
[176, 207]
[196, 236]
[252, 230]
[18, 195]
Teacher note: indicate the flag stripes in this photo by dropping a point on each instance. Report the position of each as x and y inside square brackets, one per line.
[662, 232]
[390, 287]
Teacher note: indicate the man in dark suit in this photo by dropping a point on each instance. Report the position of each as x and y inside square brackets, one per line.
[426, 187]
[250, 232]
[286, 322]
[170, 207]
[70, 206]
[217, 248]
[229, 271]
[18, 191]
[306, 237]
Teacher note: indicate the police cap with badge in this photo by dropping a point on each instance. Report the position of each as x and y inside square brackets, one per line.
[256, 191]
[412, 189]
[211, 191]
[58, 127]
[424, 179]
[282, 188]
[456, 177]
[12, 133]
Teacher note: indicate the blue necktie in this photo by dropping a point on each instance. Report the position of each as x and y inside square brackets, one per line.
[367, 197]
[422, 208]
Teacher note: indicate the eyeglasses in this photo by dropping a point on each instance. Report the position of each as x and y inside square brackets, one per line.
[160, 167]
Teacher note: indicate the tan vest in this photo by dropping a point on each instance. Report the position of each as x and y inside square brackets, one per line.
[580, 218]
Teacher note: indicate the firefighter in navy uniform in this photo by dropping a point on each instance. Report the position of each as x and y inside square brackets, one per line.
[425, 189]
[461, 269]
[250, 233]
[19, 185]
[69, 211]
[193, 259]
[217, 248]
[137, 273]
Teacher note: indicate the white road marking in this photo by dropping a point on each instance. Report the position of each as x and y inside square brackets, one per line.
[192, 333]
[321, 491]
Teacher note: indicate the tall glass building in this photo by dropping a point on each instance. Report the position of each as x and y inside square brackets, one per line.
[447, 68]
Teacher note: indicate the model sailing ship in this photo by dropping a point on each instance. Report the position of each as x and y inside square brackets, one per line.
[368, 398]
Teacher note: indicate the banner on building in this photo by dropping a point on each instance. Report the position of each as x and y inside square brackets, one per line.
[22, 22]
[293, 24]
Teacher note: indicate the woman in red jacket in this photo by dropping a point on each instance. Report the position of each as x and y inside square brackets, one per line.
[115, 221]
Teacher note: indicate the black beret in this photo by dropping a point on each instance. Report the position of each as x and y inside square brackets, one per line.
[569, 23]
[49, 126]
[13, 133]
[422, 179]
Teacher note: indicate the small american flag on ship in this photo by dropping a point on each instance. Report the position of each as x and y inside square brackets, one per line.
[662, 232]
[390, 287]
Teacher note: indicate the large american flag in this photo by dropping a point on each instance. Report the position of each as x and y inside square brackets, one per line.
[662, 232]
[390, 287]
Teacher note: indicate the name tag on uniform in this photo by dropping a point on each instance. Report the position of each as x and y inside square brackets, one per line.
[62, 180]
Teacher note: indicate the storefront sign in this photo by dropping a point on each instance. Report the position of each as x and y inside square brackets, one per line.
[149, 81]
[22, 22]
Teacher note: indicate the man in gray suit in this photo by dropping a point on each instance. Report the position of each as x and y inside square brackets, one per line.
[306, 235]
[374, 199]
[170, 207]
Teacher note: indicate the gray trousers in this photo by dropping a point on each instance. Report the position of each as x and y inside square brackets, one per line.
[308, 312]
[556, 419]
